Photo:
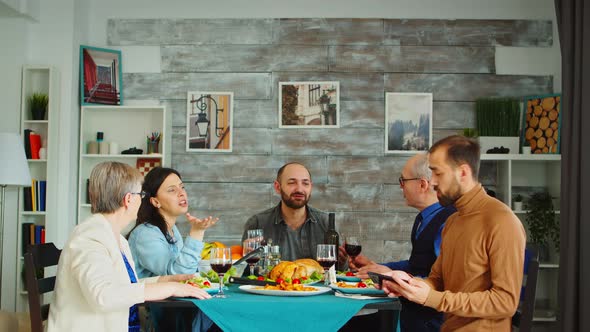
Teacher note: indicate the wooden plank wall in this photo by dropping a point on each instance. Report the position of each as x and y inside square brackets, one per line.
[453, 59]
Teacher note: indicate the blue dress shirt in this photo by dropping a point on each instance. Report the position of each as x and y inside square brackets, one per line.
[427, 215]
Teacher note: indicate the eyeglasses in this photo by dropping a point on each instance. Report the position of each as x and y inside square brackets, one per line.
[402, 180]
[141, 194]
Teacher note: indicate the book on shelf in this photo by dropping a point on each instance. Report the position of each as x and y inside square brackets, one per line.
[31, 234]
[27, 134]
[42, 194]
[28, 204]
[26, 236]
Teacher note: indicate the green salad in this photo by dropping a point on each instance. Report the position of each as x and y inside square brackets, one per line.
[214, 277]
[198, 281]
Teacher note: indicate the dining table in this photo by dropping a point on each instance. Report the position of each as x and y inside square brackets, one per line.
[244, 311]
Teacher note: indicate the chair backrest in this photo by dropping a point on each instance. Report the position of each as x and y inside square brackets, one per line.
[523, 318]
[37, 258]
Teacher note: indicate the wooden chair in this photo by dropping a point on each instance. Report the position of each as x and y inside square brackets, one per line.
[523, 318]
[37, 258]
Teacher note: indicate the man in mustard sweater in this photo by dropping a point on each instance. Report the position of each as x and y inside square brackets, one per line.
[477, 277]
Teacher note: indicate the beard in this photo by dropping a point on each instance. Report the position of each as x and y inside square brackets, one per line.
[292, 202]
[450, 196]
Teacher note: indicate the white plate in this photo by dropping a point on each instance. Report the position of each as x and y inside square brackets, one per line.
[369, 290]
[255, 290]
[347, 278]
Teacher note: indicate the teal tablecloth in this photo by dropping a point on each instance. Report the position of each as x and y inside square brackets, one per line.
[242, 311]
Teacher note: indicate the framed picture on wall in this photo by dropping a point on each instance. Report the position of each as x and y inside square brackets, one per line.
[541, 123]
[309, 104]
[100, 76]
[408, 122]
[209, 121]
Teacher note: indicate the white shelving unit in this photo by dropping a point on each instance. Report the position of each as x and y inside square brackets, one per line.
[38, 79]
[128, 126]
[519, 173]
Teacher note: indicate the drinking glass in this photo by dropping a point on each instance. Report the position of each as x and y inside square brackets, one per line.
[248, 246]
[256, 234]
[352, 246]
[326, 256]
[275, 255]
[221, 262]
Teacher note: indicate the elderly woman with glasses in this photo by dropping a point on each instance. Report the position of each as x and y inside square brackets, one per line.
[97, 288]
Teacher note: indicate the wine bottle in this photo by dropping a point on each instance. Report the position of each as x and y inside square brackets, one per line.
[331, 236]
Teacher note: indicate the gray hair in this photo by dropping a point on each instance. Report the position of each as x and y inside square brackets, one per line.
[110, 181]
[421, 169]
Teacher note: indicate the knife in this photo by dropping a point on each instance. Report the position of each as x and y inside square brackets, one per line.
[248, 255]
[247, 281]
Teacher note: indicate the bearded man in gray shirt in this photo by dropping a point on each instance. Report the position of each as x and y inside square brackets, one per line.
[294, 225]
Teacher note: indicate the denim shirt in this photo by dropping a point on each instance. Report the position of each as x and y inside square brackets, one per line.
[154, 256]
[295, 244]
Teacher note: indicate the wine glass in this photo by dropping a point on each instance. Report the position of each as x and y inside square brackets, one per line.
[220, 262]
[352, 246]
[275, 255]
[248, 246]
[256, 234]
[326, 256]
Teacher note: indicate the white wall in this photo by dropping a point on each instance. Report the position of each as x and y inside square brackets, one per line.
[65, 24]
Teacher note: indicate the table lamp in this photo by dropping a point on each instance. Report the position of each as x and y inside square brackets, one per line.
[14, 172]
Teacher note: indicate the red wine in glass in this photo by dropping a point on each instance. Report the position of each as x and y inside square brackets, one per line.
[253, 260]
[221, 262]
[326, 263]
[353, 250]
[220, 268]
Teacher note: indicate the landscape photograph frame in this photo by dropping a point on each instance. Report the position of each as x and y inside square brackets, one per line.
[408, 122]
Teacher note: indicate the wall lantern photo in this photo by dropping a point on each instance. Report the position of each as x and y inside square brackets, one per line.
[209, 121]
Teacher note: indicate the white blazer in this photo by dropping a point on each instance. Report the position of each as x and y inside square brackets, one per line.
[93, 291]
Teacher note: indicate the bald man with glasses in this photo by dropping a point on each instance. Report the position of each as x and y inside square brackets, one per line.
[426, 238]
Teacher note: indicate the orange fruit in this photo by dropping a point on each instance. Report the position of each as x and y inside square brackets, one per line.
[236, 249]
[236, 256]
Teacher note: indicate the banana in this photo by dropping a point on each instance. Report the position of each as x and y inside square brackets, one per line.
[206, 252]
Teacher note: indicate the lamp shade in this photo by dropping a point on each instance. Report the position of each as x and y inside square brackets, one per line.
[14, 169]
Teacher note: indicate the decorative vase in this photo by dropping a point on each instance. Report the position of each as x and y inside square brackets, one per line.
[517, 206]
[526, 150]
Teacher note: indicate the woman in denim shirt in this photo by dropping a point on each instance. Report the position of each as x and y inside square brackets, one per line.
[156, 244]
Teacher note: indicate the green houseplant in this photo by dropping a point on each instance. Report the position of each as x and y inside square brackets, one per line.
[517, 202]
[38, 105]
[542, 224]
[497, 123]
[469, 132]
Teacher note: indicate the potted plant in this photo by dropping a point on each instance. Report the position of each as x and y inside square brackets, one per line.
[542, 224]
[469, 132]
[38, 105]
[497, 123]
[517, 202]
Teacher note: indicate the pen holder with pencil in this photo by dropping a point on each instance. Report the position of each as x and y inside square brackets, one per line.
[153, 143]
[153, 147]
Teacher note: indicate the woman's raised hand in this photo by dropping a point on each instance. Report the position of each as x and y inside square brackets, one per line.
[198, 226]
